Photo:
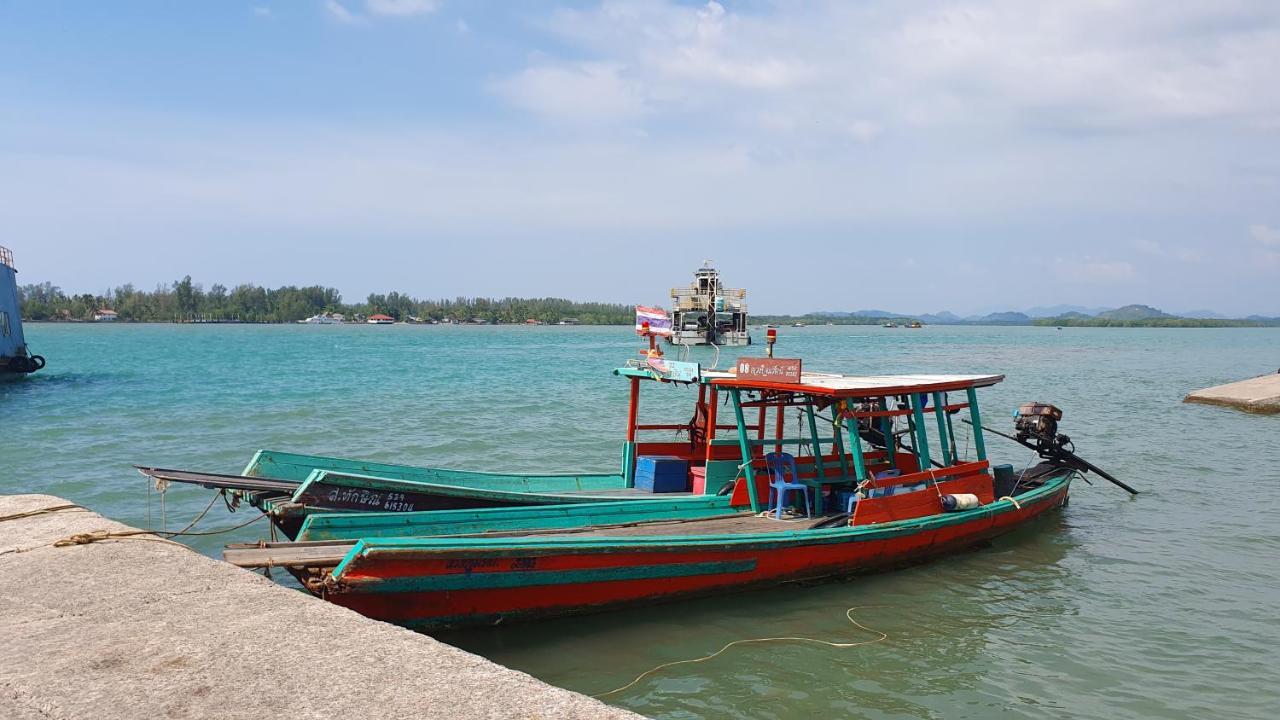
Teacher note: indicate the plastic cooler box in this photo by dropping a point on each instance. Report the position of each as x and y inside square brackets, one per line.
[661, 474]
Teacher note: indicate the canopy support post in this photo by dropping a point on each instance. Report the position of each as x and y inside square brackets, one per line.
[629, 449]
[745, 443]
[817, 446]
[943, 435]
[886, 431]
[921, 439]
[975, 416]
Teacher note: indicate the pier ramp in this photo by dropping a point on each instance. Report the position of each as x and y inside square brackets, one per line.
[1255, 395]
[140, 627]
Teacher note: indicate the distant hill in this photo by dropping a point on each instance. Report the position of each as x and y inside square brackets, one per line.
[1064, 311]
[1133, 312]
[1071, 315]
[1003, 318]
[941, 318]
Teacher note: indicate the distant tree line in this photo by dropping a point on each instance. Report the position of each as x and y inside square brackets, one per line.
[186, 301]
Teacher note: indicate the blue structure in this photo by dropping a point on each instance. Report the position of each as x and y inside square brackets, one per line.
[15, 359]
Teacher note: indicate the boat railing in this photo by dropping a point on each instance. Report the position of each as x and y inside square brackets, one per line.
[6, 257]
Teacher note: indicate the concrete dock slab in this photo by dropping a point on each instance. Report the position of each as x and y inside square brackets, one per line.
[144, 628]
[1256, 395]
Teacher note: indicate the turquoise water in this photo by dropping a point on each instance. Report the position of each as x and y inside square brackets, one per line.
[1163, 605]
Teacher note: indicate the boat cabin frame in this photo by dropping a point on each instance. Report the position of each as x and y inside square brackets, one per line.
[841, 449]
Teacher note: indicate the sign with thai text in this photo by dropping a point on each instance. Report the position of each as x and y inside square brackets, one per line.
[781, 370]
[676, 370]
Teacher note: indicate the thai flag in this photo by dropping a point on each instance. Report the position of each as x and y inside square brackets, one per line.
[658, 320]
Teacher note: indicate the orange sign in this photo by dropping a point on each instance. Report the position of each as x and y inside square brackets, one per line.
[781, 370]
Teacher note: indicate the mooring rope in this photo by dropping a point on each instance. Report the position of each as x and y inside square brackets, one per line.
[848, 613]
[42, 511]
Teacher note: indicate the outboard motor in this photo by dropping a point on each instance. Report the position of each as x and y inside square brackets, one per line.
[1036, 425]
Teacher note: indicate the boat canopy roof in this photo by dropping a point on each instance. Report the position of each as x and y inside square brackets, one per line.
[829, 384]
[837, 385]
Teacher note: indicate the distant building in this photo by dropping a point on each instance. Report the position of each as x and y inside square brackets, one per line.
[105, 315]
[569, 321]
[380, 320]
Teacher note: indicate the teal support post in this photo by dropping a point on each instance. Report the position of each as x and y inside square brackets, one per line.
[886, 431]
[838, 445]
[943, 435]
[744, 442]
[922, 438]
[855, 449]
[817, 445]
[629, 464]
[975, 416]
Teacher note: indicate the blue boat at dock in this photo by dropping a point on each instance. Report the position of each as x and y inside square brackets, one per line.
[16, 359]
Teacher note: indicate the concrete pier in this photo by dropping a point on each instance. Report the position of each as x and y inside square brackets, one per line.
[1256, 395]
[143, 628]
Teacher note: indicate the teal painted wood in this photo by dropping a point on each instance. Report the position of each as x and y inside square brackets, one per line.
[886, 431]
[294, 466]
[838, 442]
[531, 578]
[943, 436]
[817, 443]
[745, 443]
[377, 549]
[975, 416]
[922, 437]
[629, 464]
[855, 445]
[514, 497]
[352, 526]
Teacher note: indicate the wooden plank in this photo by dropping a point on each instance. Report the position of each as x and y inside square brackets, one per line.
[308, 554]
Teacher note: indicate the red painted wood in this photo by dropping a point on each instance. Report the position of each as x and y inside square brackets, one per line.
[771, 565]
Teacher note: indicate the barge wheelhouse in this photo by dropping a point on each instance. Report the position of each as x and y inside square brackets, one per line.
[707, 313]
[16, 359]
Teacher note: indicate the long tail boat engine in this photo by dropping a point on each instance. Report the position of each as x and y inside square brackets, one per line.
[1036, 424]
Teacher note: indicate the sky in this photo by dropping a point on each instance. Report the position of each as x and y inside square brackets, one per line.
[911, 156]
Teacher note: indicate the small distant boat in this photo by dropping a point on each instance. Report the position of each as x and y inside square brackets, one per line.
[325, 318]
[890, 325]
[381, 320]
[915, 324]
[798, 324]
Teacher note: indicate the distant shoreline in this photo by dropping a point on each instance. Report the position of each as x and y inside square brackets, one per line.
[1181, 323]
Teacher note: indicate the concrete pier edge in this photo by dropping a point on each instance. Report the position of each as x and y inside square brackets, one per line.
[133, 628]
[1256, 395]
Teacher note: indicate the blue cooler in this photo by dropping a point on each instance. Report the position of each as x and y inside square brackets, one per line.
[661, 474]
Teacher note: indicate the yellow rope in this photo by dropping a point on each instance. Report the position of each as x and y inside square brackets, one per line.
[848, 613]
[42, 511]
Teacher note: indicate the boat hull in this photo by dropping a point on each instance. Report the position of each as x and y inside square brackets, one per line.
[444, 582]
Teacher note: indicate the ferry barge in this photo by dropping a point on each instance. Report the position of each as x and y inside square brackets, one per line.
[707, 313]
[16, 359]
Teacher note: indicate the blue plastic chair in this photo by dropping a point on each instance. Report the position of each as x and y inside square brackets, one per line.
[778, 464]
[875, 492]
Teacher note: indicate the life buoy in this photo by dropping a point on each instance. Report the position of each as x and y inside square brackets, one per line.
[37, 363]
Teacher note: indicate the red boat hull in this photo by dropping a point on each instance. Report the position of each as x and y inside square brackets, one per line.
[452, 585]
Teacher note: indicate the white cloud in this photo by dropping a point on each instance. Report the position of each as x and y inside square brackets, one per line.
[401, 8]
[574, 92]
[1266, 235]
[1082, 67]
[1092, 272]
[340, 13]
[1179, 253]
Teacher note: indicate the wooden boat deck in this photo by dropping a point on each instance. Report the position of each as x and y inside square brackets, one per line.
[328, 553]
[736, 524]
